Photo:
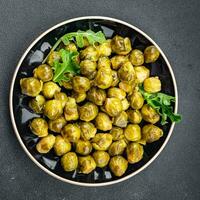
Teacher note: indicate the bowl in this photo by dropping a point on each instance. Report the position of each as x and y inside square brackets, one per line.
[21, 114]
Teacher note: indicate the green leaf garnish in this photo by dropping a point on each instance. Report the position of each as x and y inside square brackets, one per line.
[162, 104]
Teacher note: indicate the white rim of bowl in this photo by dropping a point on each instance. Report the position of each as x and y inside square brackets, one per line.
[12, 113]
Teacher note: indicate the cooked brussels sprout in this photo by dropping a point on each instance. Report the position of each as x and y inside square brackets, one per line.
[104, 49]
[152, 84]
[117, 133]
[151, 133]
[117, 61]
[121, 45]
[102, 141]
[136, 100]
[125, 104]
[86, 164]
[83, 147]
[39, 127]
[136, 57]
[71, 110]
[96, 95]
[71, 47]
[46, 144]
[61, 146]
[79, 97]
[43, 72]
[116, 93]
[31, 86]
[126, 72]
[54, 56]
[62, 97]
[126, 86]
[103, 122]
[69, 161]
[113, 106]
[151, 54]
[121, 120]
[132, 132]
[89, 53]
[53, 109]
[71, 132]
[101, 158]
[37, 104]
[117, 148]
[141, 73]
[80, 84]
[134, 116]
[88, 111]
[149, 114]
[115, 78]
[57, 124]
[49, 89]
[104, 62]
[104, 78]
[88, 67]
[118, 165]
[88, 130]
[134, 152]
[67, 84]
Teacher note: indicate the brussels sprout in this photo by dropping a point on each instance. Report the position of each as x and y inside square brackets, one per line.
[62, 97]
[88, 130]
[88, 67]
[96, 95]
[103, 122]
[117, 61]
[117, 148]
[37, 104]
[121, 45]
[125, 104]
[101, 158]
[134, 116]
[132, 132]
[115, 78]
[151, 54]
[104, 62]
[117, 133]
[79, 97]
[118, 165]
[56, 125]
[141, 73]
[83, 147]
[54, 56]
[31, 86]
[80, 84]
[71, 47]
[152, 84]
[71, 132]
[53, 109]
[104, 49]
[69, 161]
[134, 152]
[67, 84]
[136, 100]
[86, 164]
[49, 89]
[61, 146]
[116, 93]
[39, 127]
[126, 72]
[46, 144]
[71, 110]
[102, 141]
[126, 86]
[113, 106]
[89, 53]
[149, 114]
[121, 119]
[43, 72]
[88, 111]
[104, 78]
[151, 133]
[136, 57]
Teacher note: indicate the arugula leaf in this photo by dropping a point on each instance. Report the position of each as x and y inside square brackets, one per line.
[68, 64]
[162, 104]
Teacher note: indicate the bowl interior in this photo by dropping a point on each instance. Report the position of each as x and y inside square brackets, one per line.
[34, 57]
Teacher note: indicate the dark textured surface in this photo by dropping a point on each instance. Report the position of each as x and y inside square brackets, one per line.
[175, 26]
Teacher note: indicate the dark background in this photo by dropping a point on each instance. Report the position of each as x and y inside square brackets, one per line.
[175, 26]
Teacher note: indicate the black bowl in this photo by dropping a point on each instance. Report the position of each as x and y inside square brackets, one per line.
[21, 114]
